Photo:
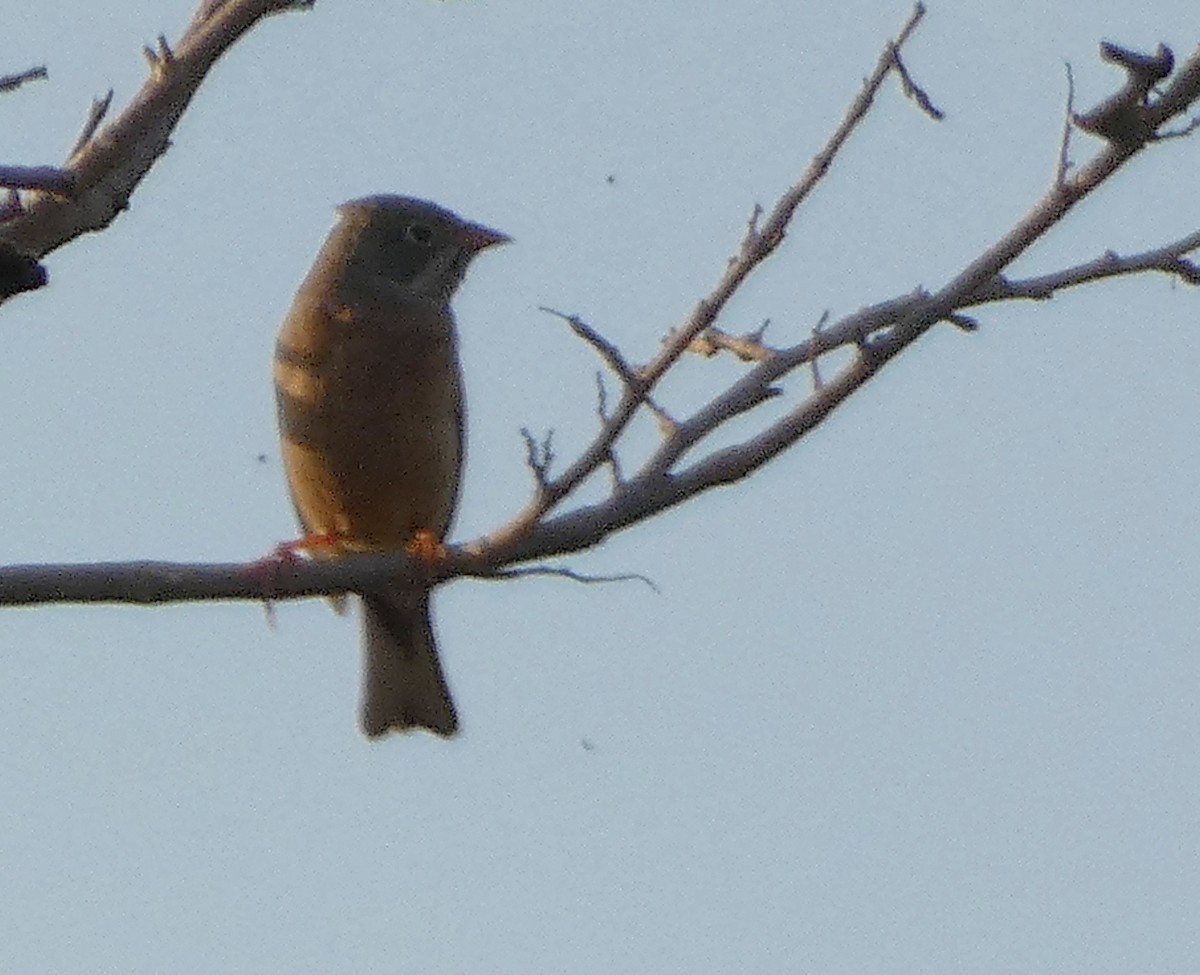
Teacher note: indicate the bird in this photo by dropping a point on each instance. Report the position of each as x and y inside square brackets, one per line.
[369, 402]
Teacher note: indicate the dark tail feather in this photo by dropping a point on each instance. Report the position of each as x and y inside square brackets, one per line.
[403, 684]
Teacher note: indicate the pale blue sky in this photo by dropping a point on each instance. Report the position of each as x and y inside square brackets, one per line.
[920, 697]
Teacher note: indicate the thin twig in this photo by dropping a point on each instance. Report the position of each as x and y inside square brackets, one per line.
[538, 455]
[911, 88]
[109, 163]
[10, 82]
[162, 582]
[1064, 148]
[1166, 260]
[607, 351]
[814, 364]
[520, 572]
[95, 116]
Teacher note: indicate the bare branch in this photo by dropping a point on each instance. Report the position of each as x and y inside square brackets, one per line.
[1167, 259]
[911, 88]
[107, 164]
[270, 579]
[757, 246]
[160, 582]
[879, 333]
[539, 456]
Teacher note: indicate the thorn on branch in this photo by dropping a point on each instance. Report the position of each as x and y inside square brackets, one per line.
[11, 82]
[964, 322]
[753, 246]
[1121, 118]
[752, 223]
[1187, 270]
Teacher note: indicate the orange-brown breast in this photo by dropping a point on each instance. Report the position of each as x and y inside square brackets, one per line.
[369, 395]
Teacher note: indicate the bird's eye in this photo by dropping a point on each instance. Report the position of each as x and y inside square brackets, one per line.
[418, 233]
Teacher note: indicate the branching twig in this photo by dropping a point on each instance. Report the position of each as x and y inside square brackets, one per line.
[870, 338]
[1167, 259]
[162, 582]
[911, 88]
[539, 455]
[757, 245]
[106, 165]
[878, 333]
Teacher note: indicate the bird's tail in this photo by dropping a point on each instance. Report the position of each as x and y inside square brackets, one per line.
[403, 683]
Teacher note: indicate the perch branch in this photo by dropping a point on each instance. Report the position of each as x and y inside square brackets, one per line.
[869, 338]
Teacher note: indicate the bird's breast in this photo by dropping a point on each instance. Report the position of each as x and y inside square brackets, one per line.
[370, 410]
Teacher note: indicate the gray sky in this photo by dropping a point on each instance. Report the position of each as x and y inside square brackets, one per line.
[918, 697]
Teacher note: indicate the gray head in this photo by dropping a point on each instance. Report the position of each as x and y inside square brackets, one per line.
[413, 242]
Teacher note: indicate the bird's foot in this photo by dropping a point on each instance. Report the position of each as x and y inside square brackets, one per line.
[427, 547]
